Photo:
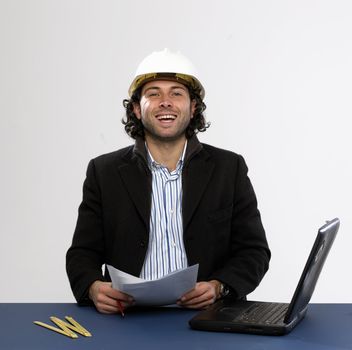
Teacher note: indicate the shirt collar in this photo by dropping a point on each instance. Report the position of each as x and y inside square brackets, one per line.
[153, 164]
[192, 147]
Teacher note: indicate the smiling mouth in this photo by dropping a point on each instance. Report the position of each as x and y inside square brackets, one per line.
[167, 117]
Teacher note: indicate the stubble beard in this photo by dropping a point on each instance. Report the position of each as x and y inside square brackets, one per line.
[150, 131]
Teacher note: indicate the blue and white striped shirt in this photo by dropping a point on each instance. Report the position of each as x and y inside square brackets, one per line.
[166, 252]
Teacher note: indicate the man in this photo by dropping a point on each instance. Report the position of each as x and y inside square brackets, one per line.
[167, 202]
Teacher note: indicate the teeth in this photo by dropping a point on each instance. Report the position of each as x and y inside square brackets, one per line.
[167, 116]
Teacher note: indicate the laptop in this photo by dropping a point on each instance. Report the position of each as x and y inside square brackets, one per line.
[271, 318]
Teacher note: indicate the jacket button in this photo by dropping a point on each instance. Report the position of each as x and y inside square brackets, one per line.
[142, 244]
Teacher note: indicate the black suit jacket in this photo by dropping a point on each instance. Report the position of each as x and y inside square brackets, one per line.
[221, 223]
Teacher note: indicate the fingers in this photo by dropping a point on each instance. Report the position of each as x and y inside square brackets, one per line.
[203, 295]
[106, 298]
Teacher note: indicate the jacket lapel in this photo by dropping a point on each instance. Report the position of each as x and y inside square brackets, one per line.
[138, 184]
[196, 177]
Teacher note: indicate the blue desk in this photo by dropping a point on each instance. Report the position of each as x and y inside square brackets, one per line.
[326, 326]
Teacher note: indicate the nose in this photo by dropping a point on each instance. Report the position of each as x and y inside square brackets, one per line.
[165, 103]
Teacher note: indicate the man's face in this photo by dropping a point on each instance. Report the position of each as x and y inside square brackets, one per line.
[165, 110]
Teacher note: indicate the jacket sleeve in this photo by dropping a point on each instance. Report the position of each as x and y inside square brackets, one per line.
[84, 257]
[249, 251]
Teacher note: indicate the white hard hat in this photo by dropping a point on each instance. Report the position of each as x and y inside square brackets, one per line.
[166, 65]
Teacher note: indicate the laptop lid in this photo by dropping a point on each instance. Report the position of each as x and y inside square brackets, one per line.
[306, 285]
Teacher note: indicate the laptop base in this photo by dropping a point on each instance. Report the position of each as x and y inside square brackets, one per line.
[245, 317]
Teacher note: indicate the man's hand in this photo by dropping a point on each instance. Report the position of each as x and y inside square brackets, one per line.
[106, 299]
[201, 296]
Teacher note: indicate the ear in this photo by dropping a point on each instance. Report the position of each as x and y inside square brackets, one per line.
[137, 109]
[193, 107]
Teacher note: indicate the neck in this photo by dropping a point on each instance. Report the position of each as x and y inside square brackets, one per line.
[166, 153]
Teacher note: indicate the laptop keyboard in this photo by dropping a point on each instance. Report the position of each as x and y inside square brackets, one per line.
[267, 313]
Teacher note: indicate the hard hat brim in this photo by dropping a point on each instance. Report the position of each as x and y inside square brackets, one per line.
[184, 79]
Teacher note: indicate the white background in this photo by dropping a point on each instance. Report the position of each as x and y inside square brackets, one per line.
[278, 79]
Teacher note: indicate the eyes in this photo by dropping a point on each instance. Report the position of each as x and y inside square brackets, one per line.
[157, 93]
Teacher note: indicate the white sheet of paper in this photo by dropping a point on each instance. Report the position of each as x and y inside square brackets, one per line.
[163, 291]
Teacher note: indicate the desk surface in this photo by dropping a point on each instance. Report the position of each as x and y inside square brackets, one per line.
[326, 326]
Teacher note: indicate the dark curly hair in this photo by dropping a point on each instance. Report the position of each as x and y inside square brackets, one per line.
[135, 128]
